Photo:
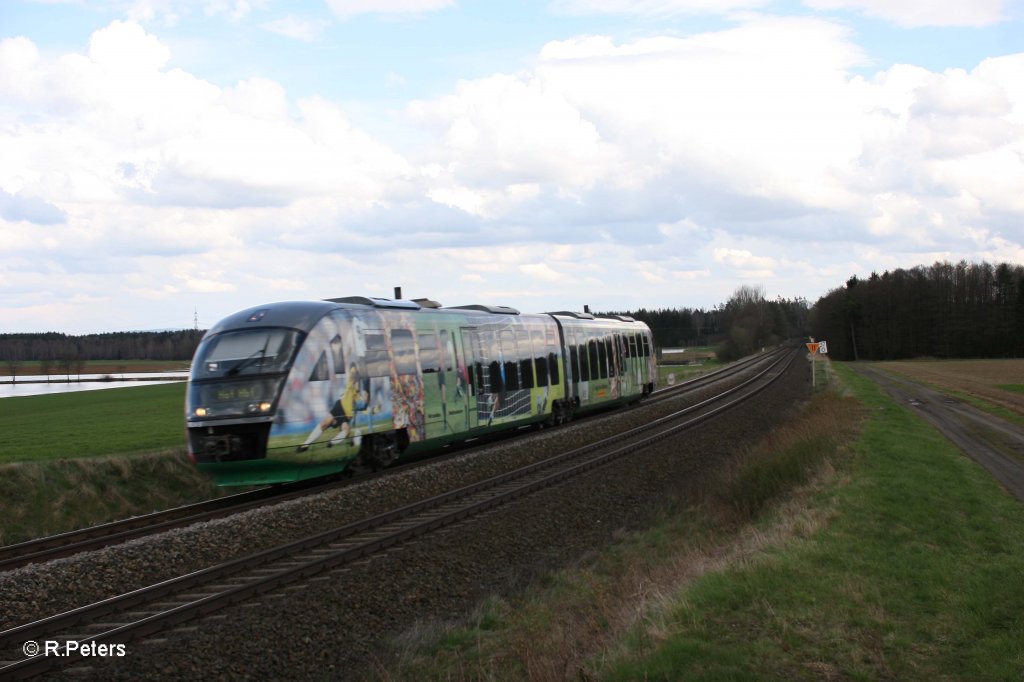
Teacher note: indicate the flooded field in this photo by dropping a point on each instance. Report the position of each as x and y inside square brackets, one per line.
[43, 385]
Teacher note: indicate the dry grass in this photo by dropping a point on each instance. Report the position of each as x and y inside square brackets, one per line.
[582, 618]
[985, 380]
[48, 497]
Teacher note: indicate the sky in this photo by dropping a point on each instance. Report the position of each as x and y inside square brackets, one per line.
[165, 163]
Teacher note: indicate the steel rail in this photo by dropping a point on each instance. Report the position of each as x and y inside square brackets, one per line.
[115, 532]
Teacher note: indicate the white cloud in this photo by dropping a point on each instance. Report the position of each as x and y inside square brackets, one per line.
[651, 170]
[743, 259]
[296, 28]
[345, 9]
[654, 7]
[912, 13]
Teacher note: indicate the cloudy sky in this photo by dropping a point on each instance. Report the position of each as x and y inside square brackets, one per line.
[161, 159]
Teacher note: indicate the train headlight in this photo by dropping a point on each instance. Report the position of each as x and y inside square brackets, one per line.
[265, 406]
[201, 412]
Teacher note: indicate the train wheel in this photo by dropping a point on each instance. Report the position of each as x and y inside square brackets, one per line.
[378, 451]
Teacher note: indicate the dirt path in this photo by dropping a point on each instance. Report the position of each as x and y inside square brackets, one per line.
[992, 442]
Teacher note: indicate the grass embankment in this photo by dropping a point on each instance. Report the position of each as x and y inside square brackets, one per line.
[823, 554]
[53, 496]
[76, 459]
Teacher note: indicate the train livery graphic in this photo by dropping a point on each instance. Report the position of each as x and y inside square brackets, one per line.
[298, 390]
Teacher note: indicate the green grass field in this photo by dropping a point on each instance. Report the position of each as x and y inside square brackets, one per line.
[883, 553]
[93, 423]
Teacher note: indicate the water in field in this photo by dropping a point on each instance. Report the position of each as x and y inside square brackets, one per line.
[42, 385]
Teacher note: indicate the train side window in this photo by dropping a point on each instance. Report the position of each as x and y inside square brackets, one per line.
[574, 361]
[526, 371]
[541, 365]
[429, 360]
[376, 357]
[595, 358]
[632, 346]
[320, 371]
[646, 344]
[511, 375]
[338, 355]
[602, 357]
[553, 368]
[509, 356]
[405, 351]
[447, 352]
[479, 371]
[494, 371]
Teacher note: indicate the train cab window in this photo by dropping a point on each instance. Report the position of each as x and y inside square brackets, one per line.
[553, 368]
[405, 351]
[429, 358]
[338, 355]
[320, 371]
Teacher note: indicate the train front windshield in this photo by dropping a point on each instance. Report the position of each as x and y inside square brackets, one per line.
[239, 373]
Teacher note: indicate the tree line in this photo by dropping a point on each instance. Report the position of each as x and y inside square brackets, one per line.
[59, 349]
[966, 310]
[745, 323]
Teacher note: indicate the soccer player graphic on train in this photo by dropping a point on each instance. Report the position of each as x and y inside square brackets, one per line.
[355, 397]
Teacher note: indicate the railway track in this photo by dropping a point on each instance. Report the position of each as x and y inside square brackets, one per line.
[141, 613]
[96, 537]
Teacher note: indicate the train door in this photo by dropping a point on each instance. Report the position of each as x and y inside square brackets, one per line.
[458, 374]
[474, 360]
[407, 387]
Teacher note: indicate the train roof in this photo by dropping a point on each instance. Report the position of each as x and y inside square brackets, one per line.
[303, 315]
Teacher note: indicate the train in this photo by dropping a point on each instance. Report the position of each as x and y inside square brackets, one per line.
[305, 389]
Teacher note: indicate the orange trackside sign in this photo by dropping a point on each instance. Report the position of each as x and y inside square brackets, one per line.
[812, 347]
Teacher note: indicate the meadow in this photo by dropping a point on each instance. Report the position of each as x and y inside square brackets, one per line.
[115, 421]
[853, 543]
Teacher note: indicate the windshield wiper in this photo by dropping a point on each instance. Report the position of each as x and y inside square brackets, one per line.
[260, 355]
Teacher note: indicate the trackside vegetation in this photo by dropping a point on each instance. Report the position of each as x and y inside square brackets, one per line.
[53, 496]
[72, 460]
[855, 543]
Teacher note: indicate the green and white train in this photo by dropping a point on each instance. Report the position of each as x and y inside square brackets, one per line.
[298, 390]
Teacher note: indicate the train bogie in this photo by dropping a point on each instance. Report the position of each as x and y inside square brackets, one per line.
[298, 390]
